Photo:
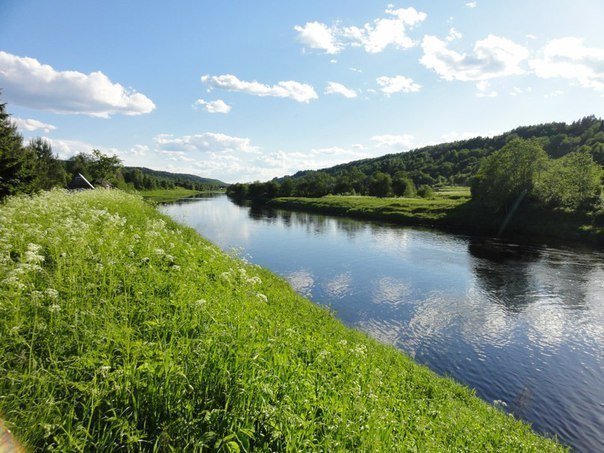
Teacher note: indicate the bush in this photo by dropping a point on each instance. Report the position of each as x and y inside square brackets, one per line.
[425, 191]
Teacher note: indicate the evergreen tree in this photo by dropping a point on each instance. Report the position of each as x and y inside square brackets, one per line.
[15, 176]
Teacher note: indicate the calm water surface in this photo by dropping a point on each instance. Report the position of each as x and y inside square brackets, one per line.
[523, 326]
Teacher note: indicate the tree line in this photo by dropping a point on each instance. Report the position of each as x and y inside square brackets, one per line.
[455, 163]
[545, 170]
[33, 166]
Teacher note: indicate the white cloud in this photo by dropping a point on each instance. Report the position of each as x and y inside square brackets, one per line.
[373, 37]
[318, 36]
[217, 106]
[570, 59]
[203, 143]
[29, 83]
[453, 35]
[492, 57]
[483, 90]
[397, 84]
[68, 148]
[139, 150]
[472, 4]
[31, 125]
[516, 91]
[399, 142]
[530, 36]
[338, 88]
[297, 91]
[554, 94]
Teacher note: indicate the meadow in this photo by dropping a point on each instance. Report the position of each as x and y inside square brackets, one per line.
[452, 208]
[122, 329]
[167, 195]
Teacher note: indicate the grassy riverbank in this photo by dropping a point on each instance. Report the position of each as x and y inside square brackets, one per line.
[124, 330]
[167, 195]
[453, 209]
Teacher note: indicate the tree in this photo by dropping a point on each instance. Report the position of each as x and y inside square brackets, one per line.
[571, 182]
[510, 174]
[380, 184]
[402, 185]
[47, 169]
[14, 175]
[104, 168]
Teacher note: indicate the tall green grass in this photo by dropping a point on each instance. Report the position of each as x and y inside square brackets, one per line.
[124, 330]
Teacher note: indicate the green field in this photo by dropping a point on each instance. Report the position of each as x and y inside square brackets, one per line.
[122, 330]
[169, 195]
[452, 208]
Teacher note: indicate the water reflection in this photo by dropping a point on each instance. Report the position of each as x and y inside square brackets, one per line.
[524, 325]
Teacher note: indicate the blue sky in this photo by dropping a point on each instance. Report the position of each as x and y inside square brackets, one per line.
[241, 90]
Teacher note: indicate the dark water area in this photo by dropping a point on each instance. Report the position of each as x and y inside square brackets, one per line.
[523, 326]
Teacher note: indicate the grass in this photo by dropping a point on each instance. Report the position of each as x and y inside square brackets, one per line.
[452, 208]
[168, 195]
[124, 330]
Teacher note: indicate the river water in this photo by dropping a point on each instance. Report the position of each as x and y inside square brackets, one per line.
[523, 326]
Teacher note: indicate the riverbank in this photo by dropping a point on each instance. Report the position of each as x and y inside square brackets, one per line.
[170, 195]
[454, 210]
[123, 329]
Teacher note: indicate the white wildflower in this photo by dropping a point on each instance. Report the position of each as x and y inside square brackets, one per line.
[262, 297]
[54, 308]
[255, 280]
[200, 302]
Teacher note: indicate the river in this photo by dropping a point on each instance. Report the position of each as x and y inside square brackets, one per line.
[523, 326]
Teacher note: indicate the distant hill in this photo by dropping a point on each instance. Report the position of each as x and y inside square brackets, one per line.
[456, 162]
[179, 179]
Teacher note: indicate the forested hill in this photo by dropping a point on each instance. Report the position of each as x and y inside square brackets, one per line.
[178, 179]
[455, 163]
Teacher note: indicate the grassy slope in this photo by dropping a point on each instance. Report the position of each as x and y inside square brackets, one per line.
[121, 328]
[451, 208]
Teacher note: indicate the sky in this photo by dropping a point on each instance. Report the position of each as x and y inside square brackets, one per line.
[243, 91]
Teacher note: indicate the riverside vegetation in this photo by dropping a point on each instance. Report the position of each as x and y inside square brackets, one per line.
[518, 190]
[123, 330]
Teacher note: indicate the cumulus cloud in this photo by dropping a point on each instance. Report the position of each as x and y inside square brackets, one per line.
[492, 57]
[203, 143]
[29, 83]
[569, 58]
[338, 88]
[318, 36]
[31, 125]
[217, 106]
[400, 142]
[373, 36]
[471, 4]
[300, 92]
[397, 84]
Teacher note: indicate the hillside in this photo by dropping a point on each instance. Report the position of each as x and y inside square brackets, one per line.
[456, 162]
[180, 179]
